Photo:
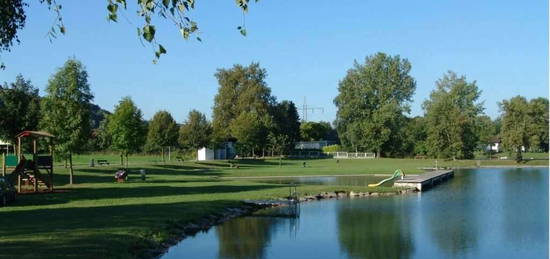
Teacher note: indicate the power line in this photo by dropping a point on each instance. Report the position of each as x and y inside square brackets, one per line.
[305, 109]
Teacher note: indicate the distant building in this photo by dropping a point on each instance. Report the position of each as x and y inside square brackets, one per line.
[226, 151]
[494, 145]
[313, 144]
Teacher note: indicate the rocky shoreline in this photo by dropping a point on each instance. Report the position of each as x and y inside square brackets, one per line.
[183, 231]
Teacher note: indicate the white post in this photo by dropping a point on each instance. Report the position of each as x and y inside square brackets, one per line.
[169, 154]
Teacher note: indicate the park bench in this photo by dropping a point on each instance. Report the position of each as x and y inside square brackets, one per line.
[179, 158]
[420, 157]
[102, 162]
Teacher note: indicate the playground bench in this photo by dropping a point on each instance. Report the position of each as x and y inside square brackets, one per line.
[102, 162]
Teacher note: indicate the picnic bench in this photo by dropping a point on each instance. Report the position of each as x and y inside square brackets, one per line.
[102, 162]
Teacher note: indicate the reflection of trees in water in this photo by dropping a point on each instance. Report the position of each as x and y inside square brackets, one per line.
[452, 219]
[245, 237]
[525, 204]
[373, 232]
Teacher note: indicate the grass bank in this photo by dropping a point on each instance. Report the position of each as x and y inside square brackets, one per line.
[97, 218]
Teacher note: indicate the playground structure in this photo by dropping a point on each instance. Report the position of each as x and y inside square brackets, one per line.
[27, 172]
[396, 174]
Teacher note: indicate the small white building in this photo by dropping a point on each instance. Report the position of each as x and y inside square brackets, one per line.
[204, 154]
[226, 151]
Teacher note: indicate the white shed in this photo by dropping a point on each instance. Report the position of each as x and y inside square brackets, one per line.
[204, 154]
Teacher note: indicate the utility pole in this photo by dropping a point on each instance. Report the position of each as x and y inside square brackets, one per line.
[305, 108]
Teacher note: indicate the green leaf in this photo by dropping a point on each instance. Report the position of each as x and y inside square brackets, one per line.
[162, 50]
[243, 31]
[149, 32]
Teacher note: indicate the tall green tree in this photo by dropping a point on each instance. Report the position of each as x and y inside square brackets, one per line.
[515, 125]
[243, 93]
[127, 129]
[371, 102]
[314, 131]
[66, 110]
[485, 130]
[414, 139]
[195, 132]
[19, 108]
[251, 131]
[538, 136]
[162, 132]
[286, 127]
[451, 114]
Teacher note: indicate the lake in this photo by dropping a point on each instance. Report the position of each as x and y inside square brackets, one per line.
[480, 213]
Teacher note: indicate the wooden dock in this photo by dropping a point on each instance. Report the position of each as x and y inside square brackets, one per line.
[424, 181]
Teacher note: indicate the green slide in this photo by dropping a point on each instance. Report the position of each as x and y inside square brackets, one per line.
[397, 173]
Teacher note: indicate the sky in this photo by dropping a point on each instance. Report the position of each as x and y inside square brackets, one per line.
[305, 46]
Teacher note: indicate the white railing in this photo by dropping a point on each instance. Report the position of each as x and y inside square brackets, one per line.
[351, 155]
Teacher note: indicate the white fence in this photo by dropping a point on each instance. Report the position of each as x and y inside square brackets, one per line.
[351, 155]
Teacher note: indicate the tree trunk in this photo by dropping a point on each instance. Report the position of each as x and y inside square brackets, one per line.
[126, 160]
[121, 160]
[71, 168]
[162, 154]
[519, 157]
[378, 153]
[65, 162]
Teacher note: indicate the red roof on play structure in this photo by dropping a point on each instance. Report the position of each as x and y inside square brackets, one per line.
[28, 133]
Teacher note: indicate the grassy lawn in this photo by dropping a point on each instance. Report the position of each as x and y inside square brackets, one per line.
[98, 218]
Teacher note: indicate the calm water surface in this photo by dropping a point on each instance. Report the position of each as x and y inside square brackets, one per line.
[485, 213]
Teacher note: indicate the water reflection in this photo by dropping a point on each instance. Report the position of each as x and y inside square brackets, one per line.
[248, 237]
[368, 230]
[520, 211]
[453, 219]
[245, 237]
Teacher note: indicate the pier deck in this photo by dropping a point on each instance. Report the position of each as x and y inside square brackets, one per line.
[423, 181]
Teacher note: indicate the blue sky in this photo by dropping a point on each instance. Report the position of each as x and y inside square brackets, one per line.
[306, 47]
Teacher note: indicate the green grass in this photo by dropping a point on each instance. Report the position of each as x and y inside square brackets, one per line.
[98, 218]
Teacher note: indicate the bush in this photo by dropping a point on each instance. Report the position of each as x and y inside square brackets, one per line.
[332, 148]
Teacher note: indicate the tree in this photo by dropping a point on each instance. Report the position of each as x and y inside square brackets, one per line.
[177, 12]
[414, 140]
[101, 140]
[515, 125]
[286, 126]
[314, 131]
[242, 94]
[162, 132]
[196, 131]
[251, 131]
[66, 110]
[19, 108]
[450, 114]
[371, 101]
[485, 130]
[538, 112]
[126, 128]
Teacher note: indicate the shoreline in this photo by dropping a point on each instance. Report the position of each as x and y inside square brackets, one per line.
[248, 207]
[180, 232]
